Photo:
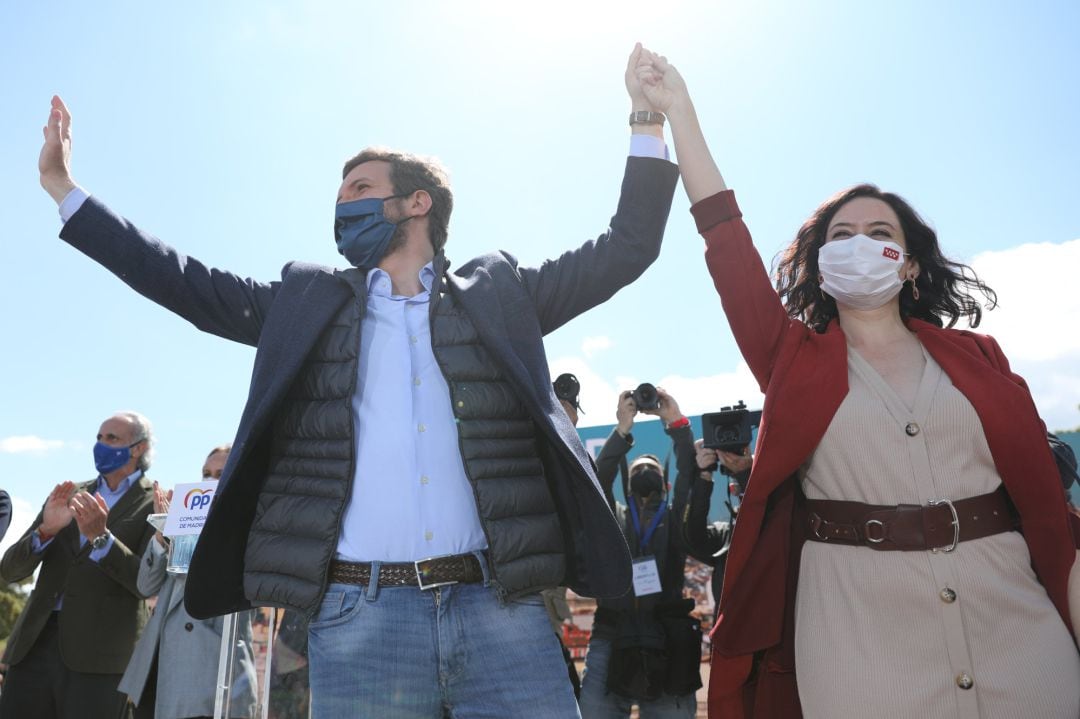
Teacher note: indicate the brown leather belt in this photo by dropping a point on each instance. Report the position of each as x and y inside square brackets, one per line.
[938, 526]
[425, 573]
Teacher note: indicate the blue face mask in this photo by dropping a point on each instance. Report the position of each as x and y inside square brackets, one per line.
[109, 459]
[362, 232]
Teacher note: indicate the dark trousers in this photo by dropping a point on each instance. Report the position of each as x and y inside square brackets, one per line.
[41, 687]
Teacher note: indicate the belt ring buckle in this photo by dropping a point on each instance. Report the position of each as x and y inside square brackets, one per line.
[420, 575]
[955, 525]
[866, 531]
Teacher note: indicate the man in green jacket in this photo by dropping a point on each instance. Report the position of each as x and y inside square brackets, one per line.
[74, 637]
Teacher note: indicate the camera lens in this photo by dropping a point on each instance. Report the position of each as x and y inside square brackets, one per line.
[645, 397]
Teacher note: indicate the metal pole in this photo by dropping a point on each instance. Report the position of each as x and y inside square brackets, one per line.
[226, 667]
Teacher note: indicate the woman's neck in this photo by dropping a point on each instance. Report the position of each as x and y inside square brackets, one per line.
[873, 328]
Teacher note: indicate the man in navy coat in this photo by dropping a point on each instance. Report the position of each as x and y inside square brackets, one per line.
[403, 471]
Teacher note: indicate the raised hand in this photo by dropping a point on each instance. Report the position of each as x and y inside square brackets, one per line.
[736, 463]
[54, 162]
[162, 501]
[57, 513]
[704, 457]
[91, 513]
[624, 413]
[638, 101]
[660, 83]
[667, 408]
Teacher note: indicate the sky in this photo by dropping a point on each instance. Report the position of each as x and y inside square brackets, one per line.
[222, 128]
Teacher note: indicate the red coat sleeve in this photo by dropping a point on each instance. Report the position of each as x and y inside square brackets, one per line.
[754, 311]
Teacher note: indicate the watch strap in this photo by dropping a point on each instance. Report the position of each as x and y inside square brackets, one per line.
[646, 117]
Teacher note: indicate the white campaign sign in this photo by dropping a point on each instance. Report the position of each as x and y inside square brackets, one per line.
[190, 503]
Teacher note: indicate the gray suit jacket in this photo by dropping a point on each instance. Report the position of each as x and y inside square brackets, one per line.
[188, 650]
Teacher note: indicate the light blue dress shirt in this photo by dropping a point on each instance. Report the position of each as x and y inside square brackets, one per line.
[411, 498]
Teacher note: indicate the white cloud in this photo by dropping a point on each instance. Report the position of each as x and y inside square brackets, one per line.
[1036, 322]
[590, 346]
[28, 443]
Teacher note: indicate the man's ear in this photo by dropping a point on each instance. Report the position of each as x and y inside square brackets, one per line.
[418, 204]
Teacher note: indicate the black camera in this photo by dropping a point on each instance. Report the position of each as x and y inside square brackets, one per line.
[730, 429]
[645, 397]
[567, 387]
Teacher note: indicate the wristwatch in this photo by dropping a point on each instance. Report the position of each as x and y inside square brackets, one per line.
[646, 117]
[101, 540]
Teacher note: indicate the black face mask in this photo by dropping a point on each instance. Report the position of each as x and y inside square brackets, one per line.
[646, 482]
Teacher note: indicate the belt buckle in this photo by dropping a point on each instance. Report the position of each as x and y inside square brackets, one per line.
[955, 525]
[420, 574]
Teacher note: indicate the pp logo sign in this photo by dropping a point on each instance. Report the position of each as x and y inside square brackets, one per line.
[187, 514]
[891, 253]
[198, 499]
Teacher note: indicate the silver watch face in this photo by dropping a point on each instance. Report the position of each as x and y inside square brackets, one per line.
[100, 541]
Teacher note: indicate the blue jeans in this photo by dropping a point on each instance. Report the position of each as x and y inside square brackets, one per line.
[598, 703]
[454, 651]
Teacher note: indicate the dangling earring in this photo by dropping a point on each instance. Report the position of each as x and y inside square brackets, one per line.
[914, 289]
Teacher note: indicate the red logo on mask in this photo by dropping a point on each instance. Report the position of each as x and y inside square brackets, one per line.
[891, 253]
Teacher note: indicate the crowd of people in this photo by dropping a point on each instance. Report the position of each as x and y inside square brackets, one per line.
[406, 475]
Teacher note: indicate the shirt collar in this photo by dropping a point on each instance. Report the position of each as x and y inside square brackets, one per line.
[378, 280]
[103, 486]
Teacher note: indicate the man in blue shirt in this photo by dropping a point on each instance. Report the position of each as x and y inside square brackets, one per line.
[403, 471]
[77, 631]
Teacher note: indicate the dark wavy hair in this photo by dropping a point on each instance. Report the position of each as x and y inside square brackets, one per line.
[946, 288]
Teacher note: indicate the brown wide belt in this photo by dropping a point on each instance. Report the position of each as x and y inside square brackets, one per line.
[425, 573]
[937, 526]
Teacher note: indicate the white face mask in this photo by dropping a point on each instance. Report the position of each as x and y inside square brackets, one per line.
[861, 273]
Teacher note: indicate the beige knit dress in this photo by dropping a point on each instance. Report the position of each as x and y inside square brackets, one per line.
[896, 634]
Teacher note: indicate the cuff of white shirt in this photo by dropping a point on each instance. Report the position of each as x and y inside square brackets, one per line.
[97, 555]
[641, 145]
[72, 202]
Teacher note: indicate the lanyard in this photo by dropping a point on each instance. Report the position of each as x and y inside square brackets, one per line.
[643, 539]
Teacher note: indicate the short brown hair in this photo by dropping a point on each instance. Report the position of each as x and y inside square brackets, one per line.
[410, 173]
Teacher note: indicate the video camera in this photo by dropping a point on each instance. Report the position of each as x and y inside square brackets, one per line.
[730, 429]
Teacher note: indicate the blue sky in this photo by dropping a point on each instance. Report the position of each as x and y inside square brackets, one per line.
[222, 128]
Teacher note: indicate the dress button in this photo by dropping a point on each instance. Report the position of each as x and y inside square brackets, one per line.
[947, 595]
[424, 479]
[421, 428]
[912, 429]
[416, 381]
[428, 536]
[964, 680]
[460, 404]
[189, 626]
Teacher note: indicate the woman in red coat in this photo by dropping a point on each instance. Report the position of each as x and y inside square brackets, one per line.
[903, 547]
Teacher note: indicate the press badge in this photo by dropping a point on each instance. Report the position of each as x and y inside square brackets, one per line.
[646, 577]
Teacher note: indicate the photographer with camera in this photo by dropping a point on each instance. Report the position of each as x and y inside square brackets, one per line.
[645, 647]
[708, 542]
